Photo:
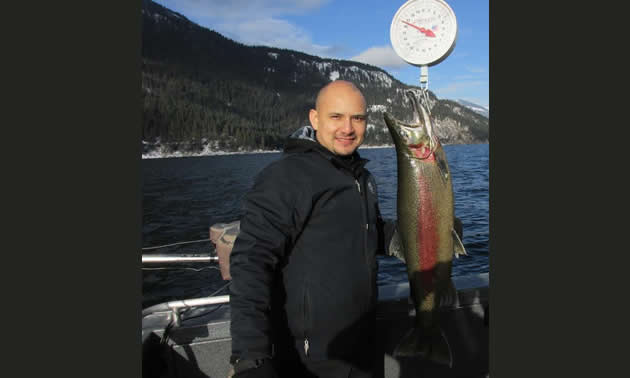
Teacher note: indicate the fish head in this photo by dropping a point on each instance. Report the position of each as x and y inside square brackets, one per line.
[415, 139]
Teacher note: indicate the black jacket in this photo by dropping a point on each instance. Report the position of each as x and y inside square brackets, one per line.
[304, 264]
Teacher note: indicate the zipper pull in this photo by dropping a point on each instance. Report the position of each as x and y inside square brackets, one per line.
[358, 185]
[306, 347]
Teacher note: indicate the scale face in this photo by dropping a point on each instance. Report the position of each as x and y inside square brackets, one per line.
[423, 32]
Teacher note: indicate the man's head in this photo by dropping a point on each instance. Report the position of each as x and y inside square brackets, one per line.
[339, 117]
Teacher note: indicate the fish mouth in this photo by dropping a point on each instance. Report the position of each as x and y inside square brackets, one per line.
[417, 136]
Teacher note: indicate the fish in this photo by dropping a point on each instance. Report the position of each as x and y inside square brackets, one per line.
[426, 230]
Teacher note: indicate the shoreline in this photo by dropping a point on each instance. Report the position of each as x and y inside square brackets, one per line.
[158, 155]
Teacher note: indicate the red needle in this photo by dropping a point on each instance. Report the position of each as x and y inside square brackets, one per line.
[426, 32]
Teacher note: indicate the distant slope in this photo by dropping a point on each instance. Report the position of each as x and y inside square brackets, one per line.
[476, 108]
[202, 91]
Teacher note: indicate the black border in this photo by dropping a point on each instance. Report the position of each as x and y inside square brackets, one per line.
[547, 303]
[81, 156]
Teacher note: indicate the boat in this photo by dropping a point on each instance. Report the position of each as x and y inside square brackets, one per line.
[191, 338]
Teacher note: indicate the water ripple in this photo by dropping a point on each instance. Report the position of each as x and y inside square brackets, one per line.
[183, 197]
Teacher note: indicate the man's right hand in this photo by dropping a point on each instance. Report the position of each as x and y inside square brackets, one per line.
[223, 235]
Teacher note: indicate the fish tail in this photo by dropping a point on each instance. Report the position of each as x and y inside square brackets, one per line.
[432, 346]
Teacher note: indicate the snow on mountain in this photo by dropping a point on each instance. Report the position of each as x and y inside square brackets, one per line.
[377, 108]
[476, 108]
[255, 112]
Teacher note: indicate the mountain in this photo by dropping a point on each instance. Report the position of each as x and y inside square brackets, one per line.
[476, 108]
[203, 92]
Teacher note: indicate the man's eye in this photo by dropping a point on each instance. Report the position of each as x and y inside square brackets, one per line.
[335, 116]
[359, 118]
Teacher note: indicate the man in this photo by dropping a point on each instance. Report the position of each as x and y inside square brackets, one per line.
[303, 267]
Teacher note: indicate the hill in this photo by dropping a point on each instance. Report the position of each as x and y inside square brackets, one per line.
[204, 92]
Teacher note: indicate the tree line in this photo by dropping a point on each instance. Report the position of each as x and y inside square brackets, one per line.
[199, 86]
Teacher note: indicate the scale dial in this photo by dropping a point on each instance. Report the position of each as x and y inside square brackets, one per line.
[423, 32]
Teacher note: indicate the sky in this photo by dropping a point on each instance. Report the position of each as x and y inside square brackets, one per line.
[353, 30]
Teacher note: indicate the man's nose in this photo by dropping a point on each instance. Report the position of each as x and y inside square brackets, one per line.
[347, 126]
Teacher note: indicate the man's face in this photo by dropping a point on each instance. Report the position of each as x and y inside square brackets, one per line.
[340, 119]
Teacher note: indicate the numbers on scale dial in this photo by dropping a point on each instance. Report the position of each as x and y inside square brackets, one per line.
[425, 31]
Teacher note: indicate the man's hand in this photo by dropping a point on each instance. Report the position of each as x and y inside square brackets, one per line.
[223, 236]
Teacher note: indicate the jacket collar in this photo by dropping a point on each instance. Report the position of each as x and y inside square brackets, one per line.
[304, 139]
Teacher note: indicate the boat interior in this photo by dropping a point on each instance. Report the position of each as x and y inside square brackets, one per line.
[192, 338]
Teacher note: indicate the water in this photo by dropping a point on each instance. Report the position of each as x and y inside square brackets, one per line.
[183, 197]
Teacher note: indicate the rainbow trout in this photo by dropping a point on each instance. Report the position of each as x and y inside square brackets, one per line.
[425, 229]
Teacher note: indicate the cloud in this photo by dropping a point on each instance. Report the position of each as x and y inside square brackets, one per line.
[381, 56]
[456, 88]
[477, 69]
[277, 33]
[241, 9]
[256, 22]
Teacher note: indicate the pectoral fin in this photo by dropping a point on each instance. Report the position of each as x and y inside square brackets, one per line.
[396, 247]
[443, 167]
[458, 246]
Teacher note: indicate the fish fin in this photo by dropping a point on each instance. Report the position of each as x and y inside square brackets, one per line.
[396, 247]
[432, 346]
[443, 167]
[458, 246]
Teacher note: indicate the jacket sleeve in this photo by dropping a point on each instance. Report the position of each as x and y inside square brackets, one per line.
[386, 230]
[385, 227]
[273, 212]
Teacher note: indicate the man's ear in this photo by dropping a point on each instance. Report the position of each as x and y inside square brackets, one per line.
[312, 116]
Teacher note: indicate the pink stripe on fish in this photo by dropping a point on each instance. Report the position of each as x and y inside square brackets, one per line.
[427, 235]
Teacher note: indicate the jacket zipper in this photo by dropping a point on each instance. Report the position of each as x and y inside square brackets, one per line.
[306, 320]
[363, 209]
[363, 199]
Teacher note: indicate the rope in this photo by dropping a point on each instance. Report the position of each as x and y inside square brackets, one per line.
[193, 269]
[221, 288]
[168, 245]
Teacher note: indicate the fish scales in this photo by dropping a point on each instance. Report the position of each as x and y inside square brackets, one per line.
[425, 207]
[426, 216]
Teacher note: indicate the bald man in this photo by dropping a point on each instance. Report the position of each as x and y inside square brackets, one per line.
[339, 118]
[303, 267]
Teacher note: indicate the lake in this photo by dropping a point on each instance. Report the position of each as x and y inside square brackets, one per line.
[182, 197]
